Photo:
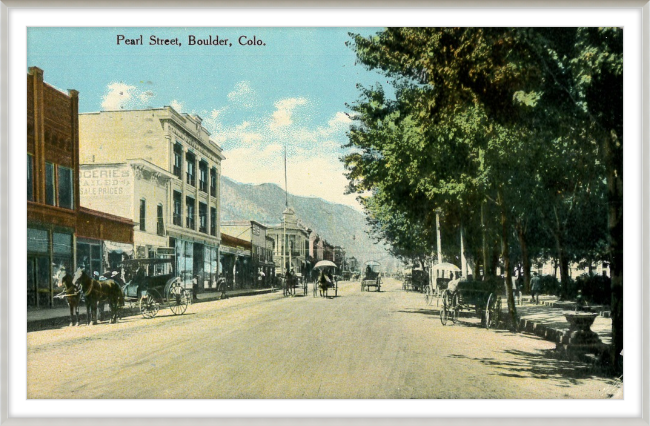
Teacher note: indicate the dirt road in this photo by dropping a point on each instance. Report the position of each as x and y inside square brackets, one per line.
[358, 345]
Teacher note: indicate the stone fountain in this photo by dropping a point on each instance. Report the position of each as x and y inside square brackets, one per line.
[579, 338]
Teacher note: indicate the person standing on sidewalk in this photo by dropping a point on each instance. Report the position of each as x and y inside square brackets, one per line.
[535, 288]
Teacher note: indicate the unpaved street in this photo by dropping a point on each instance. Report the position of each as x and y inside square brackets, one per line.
[358, 345]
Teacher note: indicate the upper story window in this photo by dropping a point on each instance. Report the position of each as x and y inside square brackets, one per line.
[213, 221]
[189, 219]
[65, 186]
[143, 214]
[178, 160]
[203, 218]
[213, 182]
[50, 197]
[178, 215]
[30, 177]
[191, 173]
[160, 224]
[203, 176]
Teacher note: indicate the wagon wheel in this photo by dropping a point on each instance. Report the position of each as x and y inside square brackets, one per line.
[150, 303]
[444, 311]
[428, 295]
[492, 311]
[178, 298]
[455, 308]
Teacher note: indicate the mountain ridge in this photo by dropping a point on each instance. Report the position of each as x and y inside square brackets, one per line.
[337, 223]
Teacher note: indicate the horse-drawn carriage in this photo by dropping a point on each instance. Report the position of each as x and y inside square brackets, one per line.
[371, 276]
[326, 279]
[292, 282]
[442, 274]
[482, 297]
[150, 292]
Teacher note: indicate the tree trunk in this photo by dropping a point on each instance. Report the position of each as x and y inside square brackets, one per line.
[485, 252]
[512, 310]
[564, 269]
[524, 257]
[614, 162]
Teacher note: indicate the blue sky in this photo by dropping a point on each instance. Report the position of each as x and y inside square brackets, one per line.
[253, 99]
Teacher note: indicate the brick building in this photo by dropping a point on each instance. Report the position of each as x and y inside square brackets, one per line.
[59, 232]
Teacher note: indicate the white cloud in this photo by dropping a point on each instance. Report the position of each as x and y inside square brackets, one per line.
[243, 95]
[309, 176]
[282, 116]
[340, 120]
[177, 105]
[118, 96]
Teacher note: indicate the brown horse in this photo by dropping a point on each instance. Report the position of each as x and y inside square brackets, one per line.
[72, 293]
[98, 292]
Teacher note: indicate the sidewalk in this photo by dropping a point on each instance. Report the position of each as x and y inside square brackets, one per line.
[547, 321]
[39, 319]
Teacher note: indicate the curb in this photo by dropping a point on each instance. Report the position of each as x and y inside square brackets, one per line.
[598, 356]
[55, 322]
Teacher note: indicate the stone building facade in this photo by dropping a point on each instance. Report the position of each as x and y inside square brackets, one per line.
[176, 172]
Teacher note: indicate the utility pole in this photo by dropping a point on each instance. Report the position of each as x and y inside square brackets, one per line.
[438, 233]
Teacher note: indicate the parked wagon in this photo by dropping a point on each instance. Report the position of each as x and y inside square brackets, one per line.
[371, 276]
[149, 291]
[441, 274]
[481, 297]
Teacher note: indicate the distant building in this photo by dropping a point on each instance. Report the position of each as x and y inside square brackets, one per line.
[296, 248]
[236, 264]
[175, 171]
[262, 265]
[60, 233]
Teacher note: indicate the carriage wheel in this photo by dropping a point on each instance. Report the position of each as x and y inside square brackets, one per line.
[178, 299]
[444, 311]
[149, 304]
[493, 311]
[455, 308]
[428, 297]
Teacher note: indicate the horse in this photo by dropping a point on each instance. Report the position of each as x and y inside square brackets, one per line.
[323, 284]
[289, 285]
[99, 291]
[71, 293]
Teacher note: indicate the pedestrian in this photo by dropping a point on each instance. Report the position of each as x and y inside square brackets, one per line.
[195, 287]
[535, 288]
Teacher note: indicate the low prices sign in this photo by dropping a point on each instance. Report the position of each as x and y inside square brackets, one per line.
[105, 181]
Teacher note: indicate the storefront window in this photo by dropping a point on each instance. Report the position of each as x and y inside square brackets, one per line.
[49, 184]
[185, 261]
[66, 198]
[89, 257]
[37, 240]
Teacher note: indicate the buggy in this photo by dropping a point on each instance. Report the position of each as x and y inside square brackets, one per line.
[150, 292]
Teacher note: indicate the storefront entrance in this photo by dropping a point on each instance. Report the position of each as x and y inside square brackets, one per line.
[38, 281]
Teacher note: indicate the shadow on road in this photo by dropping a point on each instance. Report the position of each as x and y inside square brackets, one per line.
[541, 364]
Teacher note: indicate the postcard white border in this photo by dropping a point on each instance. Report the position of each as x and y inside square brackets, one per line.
[631, 407]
